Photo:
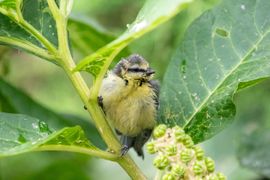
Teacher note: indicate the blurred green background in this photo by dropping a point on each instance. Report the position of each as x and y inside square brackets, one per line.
[48, 85]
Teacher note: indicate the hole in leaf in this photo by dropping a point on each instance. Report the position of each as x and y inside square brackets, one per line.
[183, 66]
[222, 32]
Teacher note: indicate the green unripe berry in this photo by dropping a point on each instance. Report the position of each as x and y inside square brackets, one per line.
[161, 162]
[210, 164]
[186, 155]
[199, 152]
[151, 148]
[187, 141]
[159, 131]
[221, 176]
[177, 170]
[168, 176]
[178, 129]
[179, 134]
[198, 168]
[171, 150]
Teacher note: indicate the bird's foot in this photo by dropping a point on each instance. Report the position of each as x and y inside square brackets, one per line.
[100, 101]
[124, 150]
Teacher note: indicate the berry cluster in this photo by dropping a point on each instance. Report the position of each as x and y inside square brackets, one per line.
[178, 157]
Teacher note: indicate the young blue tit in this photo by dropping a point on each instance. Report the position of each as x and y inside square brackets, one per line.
[129, 99]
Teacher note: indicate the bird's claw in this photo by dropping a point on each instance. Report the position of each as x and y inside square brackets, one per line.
[124, 150]
[100, 101]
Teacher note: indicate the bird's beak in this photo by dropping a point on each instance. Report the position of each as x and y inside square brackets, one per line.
[150, 72]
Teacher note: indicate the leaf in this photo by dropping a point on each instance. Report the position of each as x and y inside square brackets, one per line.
[154, 13]
[46, 165]
[20, 27]
[224, 47]
[37, 14]
[86, 36]
[4, 63]
[253, 152]
[8, 4]
[13, 100]
[21, 133]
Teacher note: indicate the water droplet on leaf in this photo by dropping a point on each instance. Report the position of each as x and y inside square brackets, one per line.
[138, 26]
[34, 125]
[43, 127]
[78, 142]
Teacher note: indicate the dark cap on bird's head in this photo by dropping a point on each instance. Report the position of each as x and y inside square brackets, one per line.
[135, 60]
[134, 67]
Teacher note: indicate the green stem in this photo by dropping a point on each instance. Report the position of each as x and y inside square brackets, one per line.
[76, 78]
[35, 32]
[39, 36]
[82, 150]
[131, 168]
[92, 106]
[28, 47]
[17, 17]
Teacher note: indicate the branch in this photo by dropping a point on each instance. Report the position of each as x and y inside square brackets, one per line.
[82, 150]
[93, 108]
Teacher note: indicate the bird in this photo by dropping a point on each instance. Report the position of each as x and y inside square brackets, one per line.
[129, 98]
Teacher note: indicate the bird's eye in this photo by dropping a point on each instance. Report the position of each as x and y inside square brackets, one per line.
[126, 82]
[136, 70]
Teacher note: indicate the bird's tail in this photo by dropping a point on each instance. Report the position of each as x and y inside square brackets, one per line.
[140, 140]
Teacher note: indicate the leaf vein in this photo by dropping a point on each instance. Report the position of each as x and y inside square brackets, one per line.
[228, 75]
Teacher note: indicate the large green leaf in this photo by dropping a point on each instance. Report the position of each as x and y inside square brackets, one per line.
[224, 47]
[21, 22]
[13, 100]
[154, 13]
[21, 133]
[253, 152]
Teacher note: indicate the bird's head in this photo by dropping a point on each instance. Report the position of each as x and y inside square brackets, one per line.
[134, 68]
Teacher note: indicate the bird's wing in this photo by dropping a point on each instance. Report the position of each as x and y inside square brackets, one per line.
[156, 87]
